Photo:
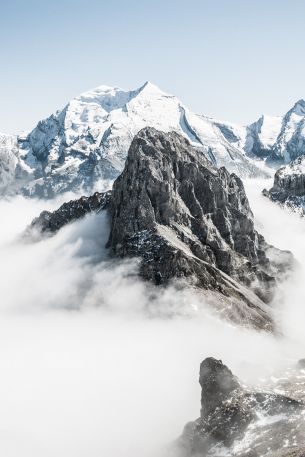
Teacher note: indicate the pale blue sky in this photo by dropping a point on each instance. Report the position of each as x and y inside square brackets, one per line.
[230, 59]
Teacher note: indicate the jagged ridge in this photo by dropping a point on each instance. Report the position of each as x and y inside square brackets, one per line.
[230, 410]
[87, 142]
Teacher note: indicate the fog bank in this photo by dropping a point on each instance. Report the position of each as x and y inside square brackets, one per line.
[96, 363]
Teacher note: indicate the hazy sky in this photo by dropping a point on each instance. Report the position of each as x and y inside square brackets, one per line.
[230, 59]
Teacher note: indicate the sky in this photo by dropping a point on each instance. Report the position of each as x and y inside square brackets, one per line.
[228, 59]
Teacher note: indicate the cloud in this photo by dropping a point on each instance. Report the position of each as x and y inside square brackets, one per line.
[94, 362]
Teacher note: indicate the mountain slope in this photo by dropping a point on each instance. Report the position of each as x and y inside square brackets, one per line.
[240, 421]
[13, 171]
[278, 139]
[84, 146]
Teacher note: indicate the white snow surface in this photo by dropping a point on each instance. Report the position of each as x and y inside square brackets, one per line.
[270, 129]
[89, 139]
[297, 167]
[86, 143]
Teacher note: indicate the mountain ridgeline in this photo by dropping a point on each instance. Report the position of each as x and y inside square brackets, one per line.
[83, 146]
[288, 188]
[186, 219]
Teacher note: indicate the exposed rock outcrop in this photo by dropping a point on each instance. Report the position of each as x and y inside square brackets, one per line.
[240, 422]
[50, 222]
[289, 186]
[188, 219]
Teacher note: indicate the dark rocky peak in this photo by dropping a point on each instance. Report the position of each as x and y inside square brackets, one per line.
[173, 183]
[217, 384]
[188, 219]
[239, 422]
[50, 222]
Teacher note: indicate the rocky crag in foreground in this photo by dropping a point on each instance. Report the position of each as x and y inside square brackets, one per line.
[186, 219]
[240, 422]
[289, 186]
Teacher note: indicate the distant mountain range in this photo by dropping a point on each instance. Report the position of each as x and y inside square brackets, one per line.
[84, 145]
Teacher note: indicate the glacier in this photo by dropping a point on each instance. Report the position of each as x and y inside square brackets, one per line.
[83, 147]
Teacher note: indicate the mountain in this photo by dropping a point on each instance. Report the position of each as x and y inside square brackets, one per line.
[48, 223]
[238, 421]
[262, 135]
[185, 220]
[84, 145]
[278, 139]
[289, 186]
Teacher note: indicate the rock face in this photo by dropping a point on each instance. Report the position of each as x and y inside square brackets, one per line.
[289, 186]
[187, 219]
[50, 222]
[276, 139]
[13, 172]
[240, 422]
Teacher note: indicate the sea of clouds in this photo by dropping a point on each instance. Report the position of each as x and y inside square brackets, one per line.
[93, 362]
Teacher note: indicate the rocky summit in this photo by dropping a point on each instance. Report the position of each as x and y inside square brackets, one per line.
[236, 421]
[50, 222]
[289, 186]
[84, 145]
[188, 221]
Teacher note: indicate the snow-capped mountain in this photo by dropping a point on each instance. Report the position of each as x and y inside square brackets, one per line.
[262, 135]
[84, 146]
[280, 139]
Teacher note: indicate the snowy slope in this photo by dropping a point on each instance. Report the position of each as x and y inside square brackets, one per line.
[291, 140]
[13, 172]
[262, 135]
[289, 186]
[84, 146]
[278, 139]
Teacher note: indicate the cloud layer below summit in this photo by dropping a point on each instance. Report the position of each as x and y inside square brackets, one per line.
[95, 363]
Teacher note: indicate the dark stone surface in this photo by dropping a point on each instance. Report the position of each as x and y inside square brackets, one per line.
[51, 222]
[289, 186]
[187, 219]
[227, 411]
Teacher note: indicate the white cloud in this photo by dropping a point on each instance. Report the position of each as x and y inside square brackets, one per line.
[91, 365]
